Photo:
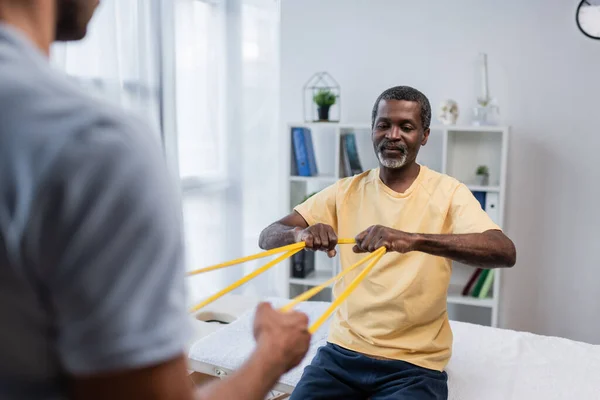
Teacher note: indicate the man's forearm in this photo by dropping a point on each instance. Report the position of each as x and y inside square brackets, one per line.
[253, 381]
[277, 235]
[490, 249]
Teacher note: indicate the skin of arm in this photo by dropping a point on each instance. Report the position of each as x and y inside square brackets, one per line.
[170, 380]
[489, 249]
[166, 380]
[283, 232]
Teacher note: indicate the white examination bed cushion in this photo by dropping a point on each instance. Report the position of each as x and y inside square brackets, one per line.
[487, 363]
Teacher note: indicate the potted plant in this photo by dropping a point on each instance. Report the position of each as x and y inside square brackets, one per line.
[483, 175]
[324, 99]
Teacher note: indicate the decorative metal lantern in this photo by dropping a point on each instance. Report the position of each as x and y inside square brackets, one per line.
[321, 99]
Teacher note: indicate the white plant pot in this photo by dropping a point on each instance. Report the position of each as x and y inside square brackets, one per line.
[482, 180]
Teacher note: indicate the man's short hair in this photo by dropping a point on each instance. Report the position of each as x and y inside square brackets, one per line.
[406, 93]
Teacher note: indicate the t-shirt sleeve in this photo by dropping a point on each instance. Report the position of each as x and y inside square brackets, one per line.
[321, 207]
[467, 215]
[111, 245]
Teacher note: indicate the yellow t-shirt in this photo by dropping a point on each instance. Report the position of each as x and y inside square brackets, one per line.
[399, 311]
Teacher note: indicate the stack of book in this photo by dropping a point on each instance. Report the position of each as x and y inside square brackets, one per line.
[479, 284]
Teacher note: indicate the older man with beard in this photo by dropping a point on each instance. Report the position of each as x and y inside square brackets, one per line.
[92, 301]
[391, 339]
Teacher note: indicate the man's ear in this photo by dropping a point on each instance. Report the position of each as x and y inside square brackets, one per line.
[425, 137]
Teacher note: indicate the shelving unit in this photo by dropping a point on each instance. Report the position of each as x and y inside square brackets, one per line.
[453, 150]
[316, 179]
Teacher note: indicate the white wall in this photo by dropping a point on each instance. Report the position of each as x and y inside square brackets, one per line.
[546, 77]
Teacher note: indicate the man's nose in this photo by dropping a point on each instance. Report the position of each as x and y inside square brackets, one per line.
[394, 133]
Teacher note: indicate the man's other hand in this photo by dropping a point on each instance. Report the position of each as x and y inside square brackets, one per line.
[283, 338]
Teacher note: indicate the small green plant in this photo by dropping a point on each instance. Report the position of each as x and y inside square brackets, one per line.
[483, 175]
[324, 98]
[483, 170]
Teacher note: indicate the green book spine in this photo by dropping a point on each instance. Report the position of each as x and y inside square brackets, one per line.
[485, 289]
[480, 282]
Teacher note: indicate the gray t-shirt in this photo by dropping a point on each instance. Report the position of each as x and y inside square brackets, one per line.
[91, 257]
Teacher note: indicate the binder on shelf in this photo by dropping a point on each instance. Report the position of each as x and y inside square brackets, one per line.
[312, 161]
[492, 206]
[300, 152]
[481, 197]
[303, 153]
[349, 155]
[293, 160]
[303, 264]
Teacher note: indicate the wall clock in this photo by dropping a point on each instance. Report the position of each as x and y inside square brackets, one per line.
[588, 18]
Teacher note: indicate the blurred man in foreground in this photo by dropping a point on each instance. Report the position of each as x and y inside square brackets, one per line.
[91, 273]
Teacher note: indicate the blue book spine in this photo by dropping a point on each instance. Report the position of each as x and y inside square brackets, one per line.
[480, 196]
[310, 151]
[300, 151]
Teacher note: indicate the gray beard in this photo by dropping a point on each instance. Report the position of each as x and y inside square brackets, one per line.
[392, 163]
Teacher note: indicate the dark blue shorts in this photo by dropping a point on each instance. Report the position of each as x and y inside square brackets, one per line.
[338, 373]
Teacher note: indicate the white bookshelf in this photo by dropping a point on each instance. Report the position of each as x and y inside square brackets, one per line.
[453, 150]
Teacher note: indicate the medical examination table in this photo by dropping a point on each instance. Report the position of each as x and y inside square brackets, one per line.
[487, 363]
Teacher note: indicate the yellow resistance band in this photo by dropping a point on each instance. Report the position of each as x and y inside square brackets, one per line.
[263, 254]
[245, 279]
[310, 293]
[317, 324]
[290, 250]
